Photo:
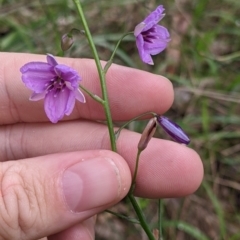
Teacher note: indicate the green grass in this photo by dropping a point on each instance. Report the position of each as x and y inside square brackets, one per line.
[203, 62]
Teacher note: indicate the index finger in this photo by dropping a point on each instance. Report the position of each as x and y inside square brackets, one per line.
[131, 91]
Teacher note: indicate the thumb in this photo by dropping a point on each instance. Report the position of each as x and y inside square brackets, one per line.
[48, 194]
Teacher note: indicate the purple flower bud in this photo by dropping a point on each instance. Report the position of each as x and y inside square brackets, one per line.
[66, 42]
[147, 134]
[173, 130]
[151, 38]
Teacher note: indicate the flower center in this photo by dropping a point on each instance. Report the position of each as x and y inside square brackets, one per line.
[150, 35]
[57, 85]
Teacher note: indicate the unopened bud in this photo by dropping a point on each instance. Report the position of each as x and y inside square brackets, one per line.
[173, 130]
[66, 41]
[147, 134]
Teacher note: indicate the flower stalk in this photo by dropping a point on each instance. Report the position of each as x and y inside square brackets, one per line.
[141, 217]
[160, 219]
[135, 172]
[110, 61]
[132, 220]
[132, 120]
[92, 95]
[101, 74]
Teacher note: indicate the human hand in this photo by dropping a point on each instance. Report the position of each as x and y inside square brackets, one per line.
[64, 174]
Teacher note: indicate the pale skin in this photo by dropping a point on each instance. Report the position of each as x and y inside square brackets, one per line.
[34, 153]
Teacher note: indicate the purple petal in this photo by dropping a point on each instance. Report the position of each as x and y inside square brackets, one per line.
[138, 29]
[70, 103]
[51, 60]
[69, 86]
[38, 67]
[154, 17]
[156, 33]
[36, 75]
[174, 130]
[68, 74]
[79, 96]
[37, 96]
[155, 48]
[55, 104]
[145, 56]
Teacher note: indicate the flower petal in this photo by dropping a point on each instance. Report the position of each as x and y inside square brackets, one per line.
[70, 103]
[79, 96]
[139, 28]
[51, 60]
[37, 96]
[68, 74]
[145, 56]
[38, 67]
[55, 104]
[154, 17]
[36, 75]
[173, 130]
[155, 48]
[162, 33]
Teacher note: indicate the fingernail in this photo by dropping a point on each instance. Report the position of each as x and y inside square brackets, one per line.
[90, 184]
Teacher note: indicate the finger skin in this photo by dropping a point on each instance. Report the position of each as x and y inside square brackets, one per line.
[167, 169]
[131, 92]
[83, 230]
[33, 202]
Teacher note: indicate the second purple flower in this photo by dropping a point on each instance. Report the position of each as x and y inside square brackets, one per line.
[151, 38]
[57, 83]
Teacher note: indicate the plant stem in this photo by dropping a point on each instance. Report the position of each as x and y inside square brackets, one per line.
[134, 203]
[101, 75]
[133, 119]
[141, 217]
[95, 97]
[135, 173]
[160, 217]
[132, 220]
[110, 61]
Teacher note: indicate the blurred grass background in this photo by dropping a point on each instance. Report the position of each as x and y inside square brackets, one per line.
[202, 61]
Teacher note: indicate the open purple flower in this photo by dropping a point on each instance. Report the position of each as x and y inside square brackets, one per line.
[151, 38]
[173, 130]
[57, 83]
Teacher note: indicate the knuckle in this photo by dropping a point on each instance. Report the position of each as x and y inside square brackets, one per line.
[20, 211]
[13, 142]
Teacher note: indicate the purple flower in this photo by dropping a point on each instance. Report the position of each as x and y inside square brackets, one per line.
[151, 38]
[57, 83]
[172, 129]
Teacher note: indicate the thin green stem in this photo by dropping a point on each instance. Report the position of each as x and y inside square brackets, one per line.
[101, 75]
[160, 219]
[141, 217]
[92, 95]
[134, 203]
[132, 220]
[133, 119]
[110, 61]
[135, 172]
